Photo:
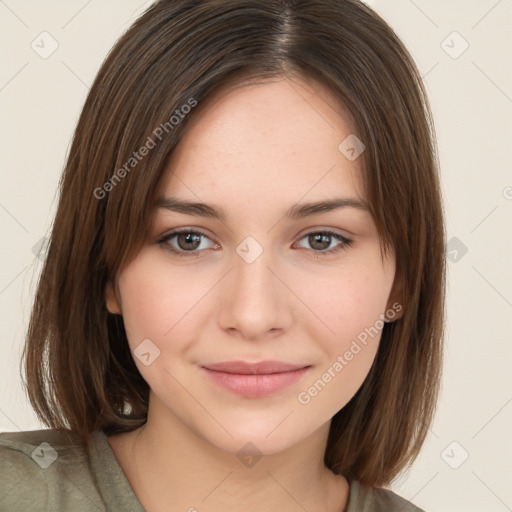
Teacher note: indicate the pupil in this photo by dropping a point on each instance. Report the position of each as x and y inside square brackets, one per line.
[189, 238]
[323, 240]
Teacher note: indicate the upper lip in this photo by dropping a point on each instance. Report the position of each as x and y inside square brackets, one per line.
[262, 367]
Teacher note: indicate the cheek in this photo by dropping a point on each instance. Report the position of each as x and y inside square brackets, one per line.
[347, 303]
[160, 305]
[350, 309]
[156, 301]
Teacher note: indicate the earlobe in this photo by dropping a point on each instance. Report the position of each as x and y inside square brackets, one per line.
[113, 305]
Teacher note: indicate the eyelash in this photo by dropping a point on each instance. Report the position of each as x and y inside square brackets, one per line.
[345, 242]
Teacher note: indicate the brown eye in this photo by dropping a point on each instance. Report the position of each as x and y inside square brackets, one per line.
[188, 241]
[320, 241]
[185, 242]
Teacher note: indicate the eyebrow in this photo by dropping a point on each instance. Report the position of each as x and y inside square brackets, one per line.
[296, 212]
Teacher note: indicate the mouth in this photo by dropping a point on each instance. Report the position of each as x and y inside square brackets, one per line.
[255, 379]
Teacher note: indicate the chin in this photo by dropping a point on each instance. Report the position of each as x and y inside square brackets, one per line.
[263, 437]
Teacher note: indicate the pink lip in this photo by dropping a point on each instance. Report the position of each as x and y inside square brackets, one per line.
[263, 367]
[255, 379]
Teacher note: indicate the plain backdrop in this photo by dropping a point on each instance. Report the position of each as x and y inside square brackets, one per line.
[463, 50]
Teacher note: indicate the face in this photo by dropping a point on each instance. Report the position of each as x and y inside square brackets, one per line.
[249, 283]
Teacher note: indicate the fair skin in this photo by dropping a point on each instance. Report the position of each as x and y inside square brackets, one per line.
[254, 151]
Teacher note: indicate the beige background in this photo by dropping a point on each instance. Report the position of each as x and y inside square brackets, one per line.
[471, 95]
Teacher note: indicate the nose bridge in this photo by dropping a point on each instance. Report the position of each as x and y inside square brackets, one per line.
[254, 302]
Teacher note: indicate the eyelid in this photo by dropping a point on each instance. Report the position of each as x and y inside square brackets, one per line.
[341, 232]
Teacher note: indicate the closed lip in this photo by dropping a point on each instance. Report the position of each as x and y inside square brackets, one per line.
[259, 368]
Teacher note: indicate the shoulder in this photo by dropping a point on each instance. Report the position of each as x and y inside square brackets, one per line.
[376, 499]
[20, 473]
[41, 470]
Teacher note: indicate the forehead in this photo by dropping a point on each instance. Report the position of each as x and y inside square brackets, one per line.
[269, 142]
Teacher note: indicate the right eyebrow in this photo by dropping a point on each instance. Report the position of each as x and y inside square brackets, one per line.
[191, 208]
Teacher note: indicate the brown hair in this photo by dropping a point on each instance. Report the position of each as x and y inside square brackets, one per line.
[80, 374]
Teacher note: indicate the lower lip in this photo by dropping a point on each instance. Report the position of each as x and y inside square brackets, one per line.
[256, 385]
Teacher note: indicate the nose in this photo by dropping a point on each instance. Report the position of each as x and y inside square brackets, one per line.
[254, 302]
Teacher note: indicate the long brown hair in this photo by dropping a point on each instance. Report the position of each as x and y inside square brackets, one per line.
[80, 374]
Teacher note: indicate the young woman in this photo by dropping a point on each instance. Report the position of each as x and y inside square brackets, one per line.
[242, 302]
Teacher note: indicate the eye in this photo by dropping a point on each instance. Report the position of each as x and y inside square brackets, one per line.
[189, 243]
[320, 241]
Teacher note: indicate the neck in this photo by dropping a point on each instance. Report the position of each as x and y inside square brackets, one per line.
[168, 463]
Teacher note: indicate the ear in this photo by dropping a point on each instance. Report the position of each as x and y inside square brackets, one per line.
[113, 304]
[395, 304]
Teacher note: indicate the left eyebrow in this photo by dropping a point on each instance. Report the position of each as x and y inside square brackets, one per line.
[298, 211]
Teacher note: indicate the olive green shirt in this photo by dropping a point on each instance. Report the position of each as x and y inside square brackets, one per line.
[40, 471]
